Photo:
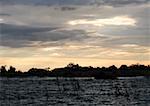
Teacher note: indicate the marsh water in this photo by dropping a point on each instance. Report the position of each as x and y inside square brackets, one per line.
[74, 92]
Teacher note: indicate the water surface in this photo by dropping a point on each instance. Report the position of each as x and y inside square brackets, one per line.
[74, 92]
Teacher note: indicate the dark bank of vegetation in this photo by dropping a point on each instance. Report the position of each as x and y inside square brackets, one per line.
[74, 70]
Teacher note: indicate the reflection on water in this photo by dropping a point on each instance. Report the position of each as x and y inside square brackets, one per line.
[75, 92]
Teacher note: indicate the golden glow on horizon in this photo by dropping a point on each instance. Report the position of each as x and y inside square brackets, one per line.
[53, 62]
[83, 54]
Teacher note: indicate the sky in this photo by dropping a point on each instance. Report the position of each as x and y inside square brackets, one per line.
[53, 33]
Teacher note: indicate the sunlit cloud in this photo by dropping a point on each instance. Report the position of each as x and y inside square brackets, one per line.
[118, 20]
[51, 48]
[55, 54]
[134, 48]
[129, 45]
[1, 20]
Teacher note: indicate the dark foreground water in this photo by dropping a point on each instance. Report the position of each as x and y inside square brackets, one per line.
[74, 92]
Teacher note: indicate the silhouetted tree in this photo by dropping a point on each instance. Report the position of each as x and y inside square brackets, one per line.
[70, 65]
[3, 69]
[123, 67]
[12, 69]
[74, 70]
[112, 68]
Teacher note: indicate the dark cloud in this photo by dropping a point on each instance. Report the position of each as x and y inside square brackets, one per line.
[138, 40]
[128, 31]
[20, 29]
[72, 2]
[120, 2]
[65, 8]
[4, 14]
[14, 43]
[44, 2]
[22, 36]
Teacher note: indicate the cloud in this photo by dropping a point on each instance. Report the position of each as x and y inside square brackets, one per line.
[21, 29]
[4, 14]
[19, 36]
[1, 20]
[43, 2]
[118, 20]
[65, 8]
[136, 40]
[72, 2]
[120, 2]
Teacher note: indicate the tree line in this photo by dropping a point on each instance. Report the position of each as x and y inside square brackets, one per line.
[75, 70]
